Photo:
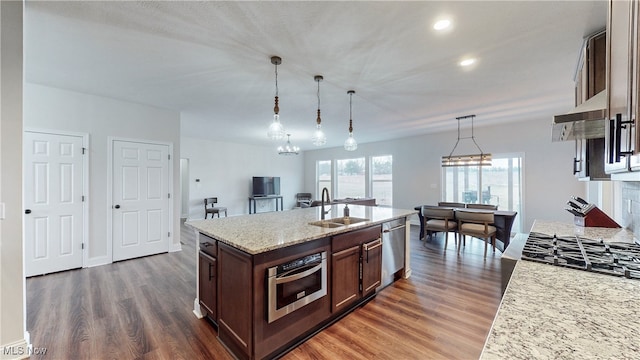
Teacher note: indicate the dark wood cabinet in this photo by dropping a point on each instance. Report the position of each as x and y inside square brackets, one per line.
[235, 300]
[235, 289]
[371, 266]
[356, 264]
[621, 47]
[345, 287]
[207, 281]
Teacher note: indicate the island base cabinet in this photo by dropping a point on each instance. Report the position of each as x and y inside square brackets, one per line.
[235, 300]
[345, 288]
[208, 285]
[356, 264]
[371, 266]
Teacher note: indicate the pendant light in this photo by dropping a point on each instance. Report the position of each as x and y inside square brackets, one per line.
[288, 149]
[276, 130]
[318, 138]
[350, 144]
[481, 159]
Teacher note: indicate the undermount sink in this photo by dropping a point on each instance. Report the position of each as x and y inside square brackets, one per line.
[337, 222]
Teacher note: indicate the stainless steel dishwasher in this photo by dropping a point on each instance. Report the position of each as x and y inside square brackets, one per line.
[393, 246]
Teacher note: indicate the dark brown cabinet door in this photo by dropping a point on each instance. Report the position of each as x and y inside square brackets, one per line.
[345, 284]
[371, 266]
[207, 284]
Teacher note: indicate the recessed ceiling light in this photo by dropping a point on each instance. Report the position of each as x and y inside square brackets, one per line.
[467, 62]
[442, 24]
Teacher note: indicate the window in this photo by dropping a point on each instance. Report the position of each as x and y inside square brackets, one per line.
[323, 176]
[499, 184]
[381, 179]
[350, 178]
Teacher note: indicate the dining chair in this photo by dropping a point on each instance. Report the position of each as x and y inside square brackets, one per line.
[439, 219]
[477, 224]
[482, 206]
[213, 209]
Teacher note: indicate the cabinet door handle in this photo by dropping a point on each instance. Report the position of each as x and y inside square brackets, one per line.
[618, 143]
[575, 165]
[371, 245]
[211, 276]
[612, 132]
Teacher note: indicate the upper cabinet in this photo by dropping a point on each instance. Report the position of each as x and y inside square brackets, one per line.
[622, 86]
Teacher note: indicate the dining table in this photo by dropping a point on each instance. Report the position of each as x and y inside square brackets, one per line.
[502, 220]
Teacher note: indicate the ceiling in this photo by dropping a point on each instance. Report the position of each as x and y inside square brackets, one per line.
[211, 61]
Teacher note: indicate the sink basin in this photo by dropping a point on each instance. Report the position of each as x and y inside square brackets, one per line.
[347, 221]
[325, 223]
[337, 222]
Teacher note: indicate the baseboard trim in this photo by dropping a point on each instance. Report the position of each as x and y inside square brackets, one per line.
[175, 247]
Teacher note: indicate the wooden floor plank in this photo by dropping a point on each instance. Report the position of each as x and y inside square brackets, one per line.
[142, 309]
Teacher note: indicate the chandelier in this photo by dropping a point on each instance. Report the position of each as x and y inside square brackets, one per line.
[350, 144]
[288, 149]
[318, 138]
[276, 130]
[480, 159]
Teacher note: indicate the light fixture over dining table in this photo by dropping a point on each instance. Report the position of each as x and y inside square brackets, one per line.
[481, 159]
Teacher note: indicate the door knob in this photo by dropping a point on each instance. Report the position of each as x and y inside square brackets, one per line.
[27, 211]
[117, 206]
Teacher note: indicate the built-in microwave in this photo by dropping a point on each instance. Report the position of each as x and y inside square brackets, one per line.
[295, 284]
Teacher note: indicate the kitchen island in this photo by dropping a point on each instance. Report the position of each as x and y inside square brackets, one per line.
[554, 312]
[271, 280]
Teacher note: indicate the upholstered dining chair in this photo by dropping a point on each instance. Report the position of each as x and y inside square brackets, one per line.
[482, 206]
[477, 224]
[209, 207]
[439, 219]
[457, 205]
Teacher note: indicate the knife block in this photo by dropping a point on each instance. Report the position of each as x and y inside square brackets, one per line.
[595, 218]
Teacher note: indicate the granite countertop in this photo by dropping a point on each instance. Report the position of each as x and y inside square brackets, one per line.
[262, 232]
[553, 312]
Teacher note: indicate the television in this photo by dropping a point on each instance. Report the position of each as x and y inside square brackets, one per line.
[266, 185]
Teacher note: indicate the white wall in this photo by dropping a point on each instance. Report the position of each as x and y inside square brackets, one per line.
[56, 109]
[225, 171]
[548, 178]
[13, 335]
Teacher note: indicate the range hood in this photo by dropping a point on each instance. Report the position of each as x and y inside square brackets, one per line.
[586, 121]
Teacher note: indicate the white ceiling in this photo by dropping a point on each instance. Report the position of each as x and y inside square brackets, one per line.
[211, 61]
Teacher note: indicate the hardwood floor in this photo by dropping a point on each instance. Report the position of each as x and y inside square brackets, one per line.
[142, 309]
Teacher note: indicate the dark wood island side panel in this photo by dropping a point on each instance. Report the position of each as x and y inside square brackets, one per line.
[234, 300]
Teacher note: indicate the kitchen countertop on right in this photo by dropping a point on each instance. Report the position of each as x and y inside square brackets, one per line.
[553, 312]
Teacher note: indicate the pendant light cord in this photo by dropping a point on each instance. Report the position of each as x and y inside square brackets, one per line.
[318, 121]
[350, 115]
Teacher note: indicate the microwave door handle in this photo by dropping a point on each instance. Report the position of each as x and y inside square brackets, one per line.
[289, 278]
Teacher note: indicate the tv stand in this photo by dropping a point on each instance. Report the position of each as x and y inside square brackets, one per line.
[252, 199]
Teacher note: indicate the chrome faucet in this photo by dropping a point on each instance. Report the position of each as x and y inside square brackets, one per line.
[322, 212]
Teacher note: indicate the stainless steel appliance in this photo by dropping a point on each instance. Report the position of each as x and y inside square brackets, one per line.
[295, 284]
[614, 258]
[393, 248]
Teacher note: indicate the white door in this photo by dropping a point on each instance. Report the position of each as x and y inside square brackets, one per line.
[53, 200]
[140, 199]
